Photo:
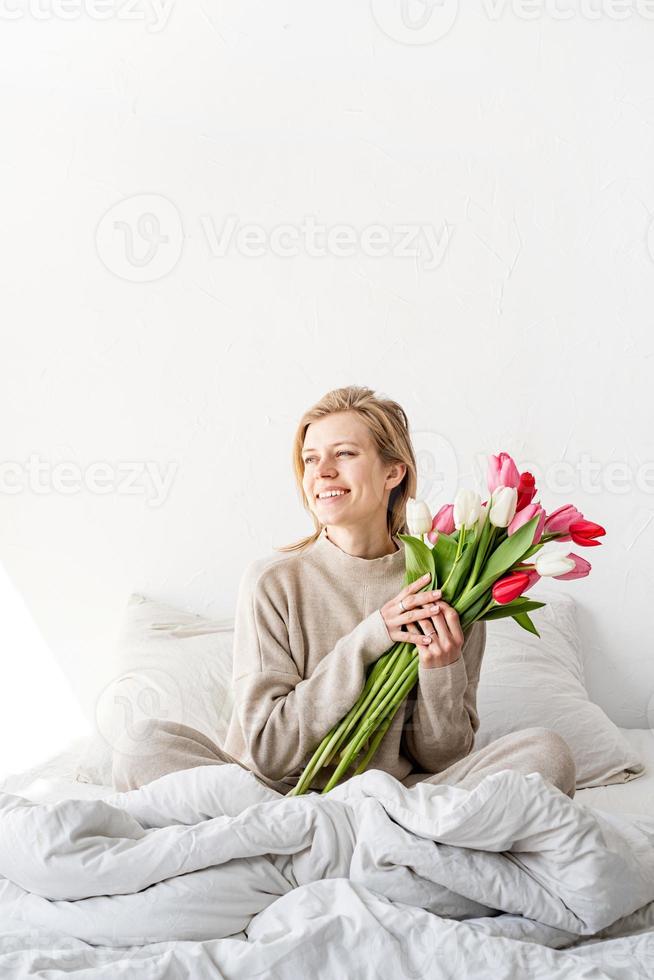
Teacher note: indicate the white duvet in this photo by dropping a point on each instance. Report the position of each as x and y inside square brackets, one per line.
[206, 873]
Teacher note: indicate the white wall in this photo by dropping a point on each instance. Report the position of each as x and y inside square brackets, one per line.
[519, 152]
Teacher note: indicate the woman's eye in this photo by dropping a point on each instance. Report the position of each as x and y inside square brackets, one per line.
[342, 452]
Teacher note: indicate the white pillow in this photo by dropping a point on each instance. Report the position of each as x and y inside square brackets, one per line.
[634, 797]
[170, 664]
[527, 681]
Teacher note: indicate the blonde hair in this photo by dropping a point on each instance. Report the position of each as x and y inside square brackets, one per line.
[389, 427]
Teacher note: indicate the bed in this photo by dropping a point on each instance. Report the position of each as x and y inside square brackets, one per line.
[208, 874]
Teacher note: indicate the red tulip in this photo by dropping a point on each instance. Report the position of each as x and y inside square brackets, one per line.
[502, 472]
[526, 514]
[581, 569]
[526, 490]
[584, 533]
[561, 519]
[510, 587]
[532, 573]
[443, 521]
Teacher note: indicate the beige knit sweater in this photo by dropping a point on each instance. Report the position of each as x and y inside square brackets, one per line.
[308, 625]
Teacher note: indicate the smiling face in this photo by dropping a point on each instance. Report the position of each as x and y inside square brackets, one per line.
[339, 452]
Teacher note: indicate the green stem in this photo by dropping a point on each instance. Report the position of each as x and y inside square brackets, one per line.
[366, 699]
[476, 611]
[338, 733]
[408, 684]
[302, 784]
[386, 723]
[353, 747]
[485, 548]
[459, 550]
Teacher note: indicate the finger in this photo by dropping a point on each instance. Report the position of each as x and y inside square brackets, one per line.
[446, 641]
[415, 615]
[418, 636]
[418, 598]
[454, 623]
[441, 627]
[399, 611]
[416, 586]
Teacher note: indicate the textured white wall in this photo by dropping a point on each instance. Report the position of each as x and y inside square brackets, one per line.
[492, 169]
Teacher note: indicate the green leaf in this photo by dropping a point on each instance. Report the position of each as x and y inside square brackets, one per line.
[520, 605]
[522, 619]
[511, 551]
[419, 560]
[443, 554]
[460, 570]
[470, 616]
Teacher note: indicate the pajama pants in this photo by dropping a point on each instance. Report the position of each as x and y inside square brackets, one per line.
[168, 746]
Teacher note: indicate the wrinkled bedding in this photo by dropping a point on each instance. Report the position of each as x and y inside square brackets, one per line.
[206, 873]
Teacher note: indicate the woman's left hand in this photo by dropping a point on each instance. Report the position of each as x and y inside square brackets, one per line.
[447, 637]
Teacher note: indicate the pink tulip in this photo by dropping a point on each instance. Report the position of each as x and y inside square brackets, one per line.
[502, 472]
[526, 514]
[581, 569]
[561, 519]
[443, 521]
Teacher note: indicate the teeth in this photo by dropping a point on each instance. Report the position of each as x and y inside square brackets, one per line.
[331, 493]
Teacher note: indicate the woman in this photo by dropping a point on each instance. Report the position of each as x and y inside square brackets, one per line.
[309, 623]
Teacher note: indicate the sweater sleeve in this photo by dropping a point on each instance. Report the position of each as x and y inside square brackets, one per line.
[283, 716]
[441, 729]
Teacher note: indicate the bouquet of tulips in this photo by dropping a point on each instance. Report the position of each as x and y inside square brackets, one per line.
[483, 557]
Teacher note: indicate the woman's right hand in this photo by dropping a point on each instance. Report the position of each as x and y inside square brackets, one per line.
[419, 606]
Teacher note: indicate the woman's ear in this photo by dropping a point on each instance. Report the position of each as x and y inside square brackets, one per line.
[396, 473]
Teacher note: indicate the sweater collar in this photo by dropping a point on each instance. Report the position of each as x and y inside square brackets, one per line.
[353, 567]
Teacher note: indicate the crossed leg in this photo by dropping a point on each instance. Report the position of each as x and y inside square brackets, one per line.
[157, 747]
[529, 750]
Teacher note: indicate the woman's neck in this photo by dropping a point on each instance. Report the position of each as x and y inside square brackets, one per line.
[361, 543]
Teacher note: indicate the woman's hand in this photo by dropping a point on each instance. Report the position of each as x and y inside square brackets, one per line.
[447, 637]
[433, 625]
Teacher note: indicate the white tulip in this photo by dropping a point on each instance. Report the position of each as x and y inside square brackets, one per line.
[418, 517]
[553, 563]
[467, 505]
[503, 504]
[483, 514]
